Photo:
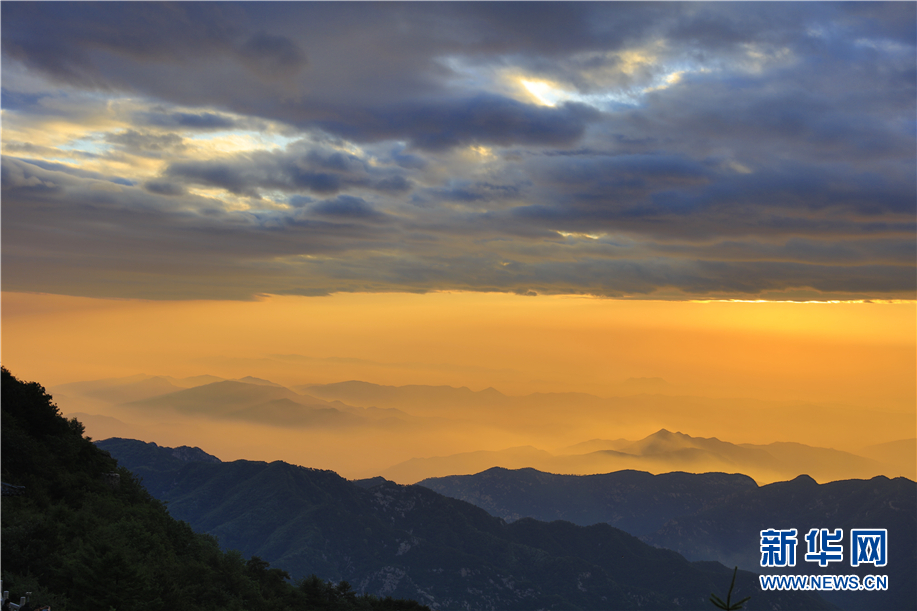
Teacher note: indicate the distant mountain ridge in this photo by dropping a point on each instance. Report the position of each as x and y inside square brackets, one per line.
[393, 540]
[223, 398]
[660, 452]
[716, 516]
[720, 532]
[245, 399]
[424, 413]
[634, 501]
[776, 463]
[366, 394]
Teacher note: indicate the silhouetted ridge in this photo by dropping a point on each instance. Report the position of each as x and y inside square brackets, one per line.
[720, 532]
[635, 501]
[409, 540]
[371, 482]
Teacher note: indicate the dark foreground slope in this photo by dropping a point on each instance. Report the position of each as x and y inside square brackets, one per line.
[411, 541]
[82, 534]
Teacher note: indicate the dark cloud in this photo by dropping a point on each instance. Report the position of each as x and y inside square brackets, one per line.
[214, 174]
[291, 171]
[160, 187]
[883, 20]
[407, 160]
[471, 192]
[793, 201]
[67, 169]
[181, 238]
[196, 121]
[442, 121]
[345, 207]
[63, 39]
[694, 148]
[272, 55]
[299, 201]
[484, 119]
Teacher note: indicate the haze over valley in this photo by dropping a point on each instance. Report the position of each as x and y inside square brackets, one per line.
[410, 433]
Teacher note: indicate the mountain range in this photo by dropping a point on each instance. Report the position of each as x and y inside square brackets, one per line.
[393, 420]
[715, 516]
[399, 540]
[634, 501]
[557, 412]
[656, 453]
[246, 399]
[720, 531]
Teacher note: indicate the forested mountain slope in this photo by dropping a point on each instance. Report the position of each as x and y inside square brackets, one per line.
[410, 541]
[84, 535]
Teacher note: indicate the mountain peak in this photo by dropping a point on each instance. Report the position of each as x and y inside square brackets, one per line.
[189, 454]
[258, 381]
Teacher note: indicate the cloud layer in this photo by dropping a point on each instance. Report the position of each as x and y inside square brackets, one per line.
[630, 150]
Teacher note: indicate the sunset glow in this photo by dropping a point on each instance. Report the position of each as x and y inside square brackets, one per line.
[697, 222]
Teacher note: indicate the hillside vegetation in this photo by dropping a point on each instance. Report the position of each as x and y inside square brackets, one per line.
[85, 535]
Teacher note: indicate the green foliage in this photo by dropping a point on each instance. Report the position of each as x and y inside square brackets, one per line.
[729, 605]
[80, 543]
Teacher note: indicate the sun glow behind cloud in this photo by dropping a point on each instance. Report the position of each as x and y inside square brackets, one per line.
[546, 93]
[698, 150]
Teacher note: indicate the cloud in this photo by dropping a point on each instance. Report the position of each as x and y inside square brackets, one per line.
[196, 121]
[292, 170]
[163, 188]
[65, 41]
[473, 192]
[483, 119]
[138, 143]
[323, 247]
[225, 150]
[27, 166]
[347, 207]
[276, 56]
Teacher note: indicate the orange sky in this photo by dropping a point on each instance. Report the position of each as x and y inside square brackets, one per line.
[726, 366]
[858, 353]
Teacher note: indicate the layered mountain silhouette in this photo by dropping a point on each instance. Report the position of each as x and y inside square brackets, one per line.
[720, 532]
[715, 516]
[443, 412]
[246, 399]
[132, 388]
[224, 398]
[634, 501]
[558, 410]
[408, 540]
[663, 451]
[901, 451]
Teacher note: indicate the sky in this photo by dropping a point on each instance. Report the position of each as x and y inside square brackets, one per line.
[535, 197]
